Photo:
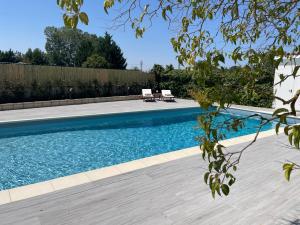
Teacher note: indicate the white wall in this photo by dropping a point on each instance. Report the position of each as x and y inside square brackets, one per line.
[288, 88]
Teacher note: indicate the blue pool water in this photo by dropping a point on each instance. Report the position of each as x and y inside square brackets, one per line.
[31, 152]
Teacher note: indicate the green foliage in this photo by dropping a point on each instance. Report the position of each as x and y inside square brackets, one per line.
[10, 56]
[95, 61]
[109, 50]
[88, 44]
[35, 57]
[231, 84]
[288, 168]
[10, 91]
[72, 12]
[72, 47]
[158, 71]
[179, 81]
[61, 89]
[64, 46]
[244, 86]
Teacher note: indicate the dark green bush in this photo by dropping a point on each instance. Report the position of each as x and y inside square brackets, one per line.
[242, 85]
[19, 92]
[179, 81]
[7, 93]
[61, 89]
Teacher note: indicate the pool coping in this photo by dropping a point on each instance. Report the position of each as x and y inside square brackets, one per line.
[91, 115]
[233, 107]
[49, 186]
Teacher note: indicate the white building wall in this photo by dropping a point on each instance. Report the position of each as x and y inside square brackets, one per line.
[288, 88]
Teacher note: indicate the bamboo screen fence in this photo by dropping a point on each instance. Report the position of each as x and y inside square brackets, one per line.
[26, 74]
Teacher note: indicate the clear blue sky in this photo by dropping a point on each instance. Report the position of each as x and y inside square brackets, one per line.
[22, 24]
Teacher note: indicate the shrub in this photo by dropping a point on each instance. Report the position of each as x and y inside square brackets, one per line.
[62, 89]
[95, 61]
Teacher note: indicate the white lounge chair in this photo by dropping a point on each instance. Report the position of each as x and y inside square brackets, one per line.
[147, 95]
[166, 95]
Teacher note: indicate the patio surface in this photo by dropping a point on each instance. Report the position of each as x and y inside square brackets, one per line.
[174, 193]
[92, 109]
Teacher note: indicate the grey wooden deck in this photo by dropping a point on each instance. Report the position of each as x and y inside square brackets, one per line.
[174, 193]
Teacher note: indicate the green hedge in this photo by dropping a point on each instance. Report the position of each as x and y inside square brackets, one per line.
[180, 82]
[237, 84]
[58, 89]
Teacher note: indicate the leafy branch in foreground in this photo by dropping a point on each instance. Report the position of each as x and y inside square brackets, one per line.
[73, 12]
[248, 30]
[222, 163]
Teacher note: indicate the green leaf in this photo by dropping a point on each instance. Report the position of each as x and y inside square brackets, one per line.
[74, 21]
[286, 130]
[75, 7]
[281, 76]
[288, 167]
[291, 138]
[277, 128]
[67, 20]
[163, 13]
[214, 134]
[210, 165]
[280, 110]
[235, 10]
[61, 3]
[219, 148]
[225, 189]
[206, 177]
[218, 189]
[108, 4]
[231, 181]
[84, 18]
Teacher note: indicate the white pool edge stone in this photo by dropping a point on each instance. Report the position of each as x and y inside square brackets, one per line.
[40, 188]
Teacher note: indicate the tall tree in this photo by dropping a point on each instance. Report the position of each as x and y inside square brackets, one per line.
[10, 56]
[27, 57]
[72, 47]
[158, 71]
[169, 67]
[64, 46]
[36, 57]
[111, 52]
[87, 47]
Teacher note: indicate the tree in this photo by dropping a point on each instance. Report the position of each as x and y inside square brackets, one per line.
[250, 28]
[95, 61]
[87, 47]
[36, 57]
[181, 82]
[62, 46]
[69, 47]
[108, 49]
[10, 56]
[27, 58]
[158, 71]
[135, 68]
[169, 67]
[72, 47]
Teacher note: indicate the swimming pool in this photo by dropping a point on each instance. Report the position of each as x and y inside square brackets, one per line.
[36, 151]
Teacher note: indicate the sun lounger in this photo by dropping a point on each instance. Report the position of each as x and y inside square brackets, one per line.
[147, 95]
[167, 96]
